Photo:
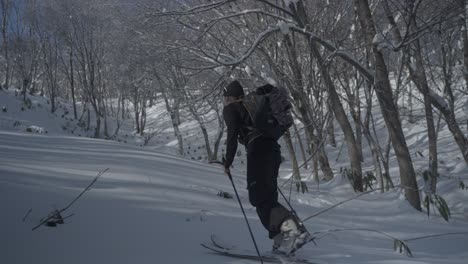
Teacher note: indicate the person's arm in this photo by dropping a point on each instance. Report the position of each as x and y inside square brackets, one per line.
[233, 123]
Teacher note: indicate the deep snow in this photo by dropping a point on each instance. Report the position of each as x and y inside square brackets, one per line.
[153, 207]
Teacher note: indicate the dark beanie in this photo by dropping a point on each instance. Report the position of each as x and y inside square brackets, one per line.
[234, 89]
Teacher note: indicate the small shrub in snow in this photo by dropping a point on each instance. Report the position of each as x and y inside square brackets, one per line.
[36, 129]
[225, 195]
[462, 185]
[433, 199]
[27, 103]
[368, 180]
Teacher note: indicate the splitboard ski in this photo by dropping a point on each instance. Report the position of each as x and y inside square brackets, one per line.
[216, 247]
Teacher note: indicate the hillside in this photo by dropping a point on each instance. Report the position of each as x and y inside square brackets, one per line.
[154, 207]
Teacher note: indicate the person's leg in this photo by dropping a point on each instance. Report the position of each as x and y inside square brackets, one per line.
[263, 160]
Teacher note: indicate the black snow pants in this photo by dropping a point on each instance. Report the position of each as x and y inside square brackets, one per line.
[263, 161]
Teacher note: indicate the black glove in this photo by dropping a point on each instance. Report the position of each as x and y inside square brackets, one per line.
[226, 168]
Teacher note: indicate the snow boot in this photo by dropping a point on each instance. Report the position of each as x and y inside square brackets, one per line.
[291, 238]
[284, 242]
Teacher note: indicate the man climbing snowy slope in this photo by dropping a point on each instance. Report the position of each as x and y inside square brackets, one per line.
[263, 161]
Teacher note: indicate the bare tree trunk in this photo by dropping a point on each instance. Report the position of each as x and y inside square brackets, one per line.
[295, 166]
[374, 147]
[137, 114]
[331, 132]
[143, 117]
[304, 108]
[219, 136]
[301, 146]
[5, 9]
[207, 141]
[122, 101]
[464, 33]
[358, 125]
[390, 113]
[340, 114]
[72, 83]
[173, 112]
[418, 75]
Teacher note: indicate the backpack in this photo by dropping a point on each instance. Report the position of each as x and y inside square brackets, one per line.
[270, 111]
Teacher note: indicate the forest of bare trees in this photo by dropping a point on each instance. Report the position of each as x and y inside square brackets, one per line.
[344, 63]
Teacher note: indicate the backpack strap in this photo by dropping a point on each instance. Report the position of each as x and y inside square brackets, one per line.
[254, 133]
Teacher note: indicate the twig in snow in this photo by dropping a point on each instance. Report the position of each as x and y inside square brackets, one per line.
[399, 244]
[56, 214]
[436, 235]
[27, 214]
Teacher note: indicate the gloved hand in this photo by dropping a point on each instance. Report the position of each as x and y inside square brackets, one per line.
[227, 170]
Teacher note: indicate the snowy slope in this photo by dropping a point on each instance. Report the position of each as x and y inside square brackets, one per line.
[154, 207]
[157, 208]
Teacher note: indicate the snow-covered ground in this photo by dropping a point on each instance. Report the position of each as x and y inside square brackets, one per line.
[154, 207]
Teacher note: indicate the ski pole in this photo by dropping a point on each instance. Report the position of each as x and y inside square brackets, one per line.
[245, 217]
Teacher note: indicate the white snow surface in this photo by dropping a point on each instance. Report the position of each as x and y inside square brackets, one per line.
[154, 207]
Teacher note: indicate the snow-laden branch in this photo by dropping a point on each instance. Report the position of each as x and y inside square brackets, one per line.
[284, 28]
[275, 6]
[338, 53]
[192, 11]
[211, 23]
[260, 38]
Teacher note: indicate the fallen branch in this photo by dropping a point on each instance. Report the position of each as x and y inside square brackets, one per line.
[55, 217]
[27, 214]
[436, 235]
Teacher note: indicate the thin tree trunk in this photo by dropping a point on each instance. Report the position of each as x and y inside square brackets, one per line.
[207, 141]
[340, 114]
[303, 107]
[296, 175]
[464, 33]
[219, 136]
[389, 110]
[72, 83]
[5, 16]
[418, 75]
[137, 115]
[301, 146]
[331, 132]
